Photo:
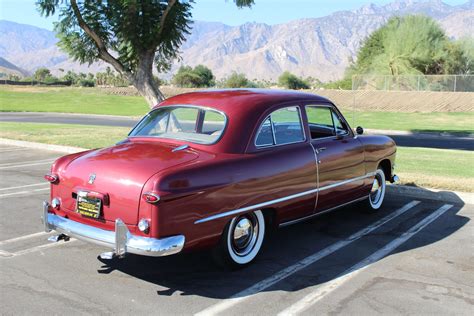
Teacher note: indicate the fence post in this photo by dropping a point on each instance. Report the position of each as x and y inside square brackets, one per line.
[455, 82]
[418, 88]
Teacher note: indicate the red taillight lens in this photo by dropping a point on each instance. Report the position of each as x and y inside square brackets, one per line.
[51, 178]
[151, 197]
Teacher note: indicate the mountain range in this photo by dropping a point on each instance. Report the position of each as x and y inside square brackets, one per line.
[319, 47]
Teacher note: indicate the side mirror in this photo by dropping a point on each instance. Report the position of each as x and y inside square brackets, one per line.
[359, 130]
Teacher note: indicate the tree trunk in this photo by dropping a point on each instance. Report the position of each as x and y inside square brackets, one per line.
[145, 83]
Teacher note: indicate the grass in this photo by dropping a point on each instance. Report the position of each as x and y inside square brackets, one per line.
[452, 122]
[69, 100]
[435, 168]
[85, 136]
[95, 101]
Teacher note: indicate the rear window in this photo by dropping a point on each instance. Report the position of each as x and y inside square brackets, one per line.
[186, 123]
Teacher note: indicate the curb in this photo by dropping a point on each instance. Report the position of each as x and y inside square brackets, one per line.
[432, 194]
[404, 190]
[58, 148]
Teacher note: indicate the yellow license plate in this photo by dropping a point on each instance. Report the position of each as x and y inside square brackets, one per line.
[89, 207]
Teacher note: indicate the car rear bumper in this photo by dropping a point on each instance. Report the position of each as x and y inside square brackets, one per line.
[121, 240]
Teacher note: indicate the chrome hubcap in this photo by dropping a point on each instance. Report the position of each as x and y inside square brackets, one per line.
[244, 234]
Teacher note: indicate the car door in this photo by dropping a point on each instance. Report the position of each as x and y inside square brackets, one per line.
[339, 155]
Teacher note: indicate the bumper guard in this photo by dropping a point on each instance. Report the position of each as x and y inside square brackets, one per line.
[121, 240]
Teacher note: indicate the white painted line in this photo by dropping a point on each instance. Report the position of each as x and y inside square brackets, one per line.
[42, 247]
[25, 186]
[8, 241]
[28, 165]
[328, 287]
[23, 192]
[283, 274]
[8, 164]
[12, 150]
[5, 254]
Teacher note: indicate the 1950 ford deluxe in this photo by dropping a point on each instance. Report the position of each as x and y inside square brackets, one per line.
[217, 169]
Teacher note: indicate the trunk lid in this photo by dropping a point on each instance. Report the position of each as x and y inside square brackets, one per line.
[119, 173]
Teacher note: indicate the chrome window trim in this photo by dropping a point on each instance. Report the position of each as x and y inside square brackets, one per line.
[286, 198]
[205, 108]
[303, 129]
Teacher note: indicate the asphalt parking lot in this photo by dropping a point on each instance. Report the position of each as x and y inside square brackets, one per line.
[415, 256]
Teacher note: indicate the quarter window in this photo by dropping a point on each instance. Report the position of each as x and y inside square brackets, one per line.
[281, 127]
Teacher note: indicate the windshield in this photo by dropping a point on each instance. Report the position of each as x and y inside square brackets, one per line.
[188, 123]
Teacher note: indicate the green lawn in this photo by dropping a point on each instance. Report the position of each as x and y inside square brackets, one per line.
[453, 122]
[436, 168]
[69, 100]
[85, 136]
[95, 101]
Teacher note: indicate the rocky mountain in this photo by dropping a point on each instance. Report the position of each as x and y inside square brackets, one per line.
[319, 47]
[7, 68]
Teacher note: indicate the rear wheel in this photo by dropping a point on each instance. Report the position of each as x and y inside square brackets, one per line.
[241, 241]
[377, 192]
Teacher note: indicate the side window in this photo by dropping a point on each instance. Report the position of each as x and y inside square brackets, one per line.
[320, 121]
[282, 127]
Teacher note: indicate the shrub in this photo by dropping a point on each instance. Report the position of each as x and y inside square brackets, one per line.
[199, 77]
[290, 81]
[238, 80]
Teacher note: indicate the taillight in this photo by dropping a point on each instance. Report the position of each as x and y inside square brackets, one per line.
[150, 197]
[51, 178]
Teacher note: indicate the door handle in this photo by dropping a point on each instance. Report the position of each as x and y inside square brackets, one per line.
[318, 150]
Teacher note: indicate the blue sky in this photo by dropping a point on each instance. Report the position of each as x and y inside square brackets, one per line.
[265, 11]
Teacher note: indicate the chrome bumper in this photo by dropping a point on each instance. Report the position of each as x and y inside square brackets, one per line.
[120, 240]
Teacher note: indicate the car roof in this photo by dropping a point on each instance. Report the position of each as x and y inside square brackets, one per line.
[243, 108]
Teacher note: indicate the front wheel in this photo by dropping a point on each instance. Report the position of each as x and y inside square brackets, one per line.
[377, 192]
[241, 241]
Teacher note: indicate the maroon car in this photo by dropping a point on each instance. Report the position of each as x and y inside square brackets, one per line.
[217, 169]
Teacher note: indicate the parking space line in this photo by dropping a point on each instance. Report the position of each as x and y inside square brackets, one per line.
[328, 287]
[28, 165]
[285, 273]
[23, 192]
[25, 186]
[5, 254]
[12, 150]
[8, 241]
[41, 247]
[8, 164]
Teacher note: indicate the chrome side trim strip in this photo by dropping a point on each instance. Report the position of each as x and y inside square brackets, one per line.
[331, 186]
[286, 198]
[329, 210]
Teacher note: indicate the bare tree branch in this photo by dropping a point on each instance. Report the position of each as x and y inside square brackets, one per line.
[103, 52]
[170, 5]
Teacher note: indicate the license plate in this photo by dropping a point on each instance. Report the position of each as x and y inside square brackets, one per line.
[89, 206]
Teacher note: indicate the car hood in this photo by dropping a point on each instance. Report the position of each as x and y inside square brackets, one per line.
[119, 173]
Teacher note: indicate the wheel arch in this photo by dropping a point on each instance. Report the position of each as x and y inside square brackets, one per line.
[386, 166]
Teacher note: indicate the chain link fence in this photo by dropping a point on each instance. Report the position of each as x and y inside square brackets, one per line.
[442, 83]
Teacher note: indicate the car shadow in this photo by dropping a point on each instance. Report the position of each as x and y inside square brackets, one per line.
[196, 274]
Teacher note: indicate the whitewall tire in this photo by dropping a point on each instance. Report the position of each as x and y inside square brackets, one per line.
[377, 191]
[241, 240]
